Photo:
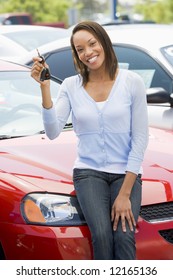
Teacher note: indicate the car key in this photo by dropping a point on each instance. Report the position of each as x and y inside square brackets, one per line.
[45, 73]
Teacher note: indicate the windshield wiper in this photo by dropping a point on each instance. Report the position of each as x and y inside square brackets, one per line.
[3, 137]
[68, 125]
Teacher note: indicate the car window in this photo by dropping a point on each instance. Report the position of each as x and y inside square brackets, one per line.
[25, 20]
[168, 53]
[64, 66]
[137, 60]
[17, 20]
[12, 20]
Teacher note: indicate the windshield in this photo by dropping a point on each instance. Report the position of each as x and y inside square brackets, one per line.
[168, 53]
[20, 104]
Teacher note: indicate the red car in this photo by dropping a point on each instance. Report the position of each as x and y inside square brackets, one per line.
[40, 216]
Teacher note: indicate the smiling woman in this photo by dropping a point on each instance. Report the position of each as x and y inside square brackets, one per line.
[108, 167]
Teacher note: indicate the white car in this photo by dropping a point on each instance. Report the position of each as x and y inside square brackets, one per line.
[144, 48]
[18, 40]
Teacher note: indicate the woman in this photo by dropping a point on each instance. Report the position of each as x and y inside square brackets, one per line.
[109, 115]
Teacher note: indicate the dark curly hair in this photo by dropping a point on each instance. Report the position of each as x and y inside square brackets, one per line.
[101, 35]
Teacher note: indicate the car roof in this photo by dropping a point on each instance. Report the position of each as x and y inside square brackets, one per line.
[139, 34]
[14, 13]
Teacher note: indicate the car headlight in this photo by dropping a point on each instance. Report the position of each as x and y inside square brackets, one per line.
[51, 210]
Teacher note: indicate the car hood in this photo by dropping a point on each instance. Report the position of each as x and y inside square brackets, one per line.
[35, 163]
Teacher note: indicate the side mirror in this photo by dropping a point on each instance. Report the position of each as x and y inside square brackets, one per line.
[158, 95]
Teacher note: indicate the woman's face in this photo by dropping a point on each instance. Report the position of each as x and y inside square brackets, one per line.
[89, 49]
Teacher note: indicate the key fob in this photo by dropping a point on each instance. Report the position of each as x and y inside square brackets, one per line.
[45, 73]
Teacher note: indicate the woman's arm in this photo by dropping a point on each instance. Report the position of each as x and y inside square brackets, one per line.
[121, 208]
[54, 117]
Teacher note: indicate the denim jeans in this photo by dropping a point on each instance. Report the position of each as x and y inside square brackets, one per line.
[96, 192]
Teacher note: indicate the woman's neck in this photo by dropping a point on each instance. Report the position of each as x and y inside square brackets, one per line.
[100, 77]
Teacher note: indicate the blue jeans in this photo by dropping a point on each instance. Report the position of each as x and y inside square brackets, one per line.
[96, 192]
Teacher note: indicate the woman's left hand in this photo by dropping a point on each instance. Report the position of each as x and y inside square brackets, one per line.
[121, 211]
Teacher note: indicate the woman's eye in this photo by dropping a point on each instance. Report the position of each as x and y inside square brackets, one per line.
[79, 50]
[93, 43]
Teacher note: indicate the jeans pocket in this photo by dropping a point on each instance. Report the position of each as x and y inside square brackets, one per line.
[79, 174]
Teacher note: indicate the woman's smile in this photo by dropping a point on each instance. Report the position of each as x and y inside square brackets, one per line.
[92, 59]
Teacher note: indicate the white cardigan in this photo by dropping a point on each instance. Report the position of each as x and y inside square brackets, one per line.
[113, 138]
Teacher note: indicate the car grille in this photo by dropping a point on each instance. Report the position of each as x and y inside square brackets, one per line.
[167, 234]
[157, 212]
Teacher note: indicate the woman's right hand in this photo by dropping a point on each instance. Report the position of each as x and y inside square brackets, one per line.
[36, 70]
